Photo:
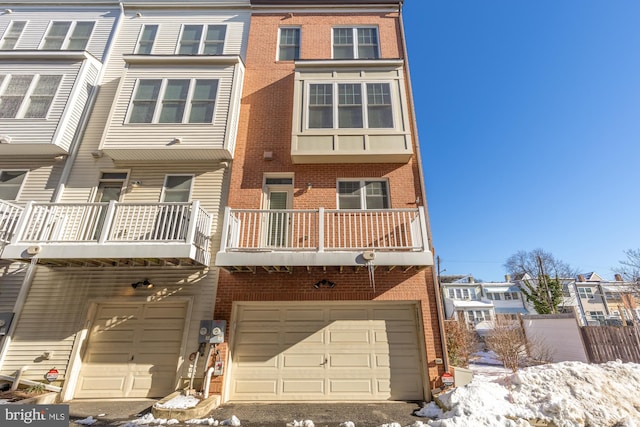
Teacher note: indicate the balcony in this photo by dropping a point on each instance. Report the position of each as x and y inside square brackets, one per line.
[106, 234]
[278, 240]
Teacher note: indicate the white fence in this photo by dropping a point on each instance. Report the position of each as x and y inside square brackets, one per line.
[9, 215]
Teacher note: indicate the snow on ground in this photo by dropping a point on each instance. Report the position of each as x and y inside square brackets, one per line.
[179, 402]
[571, 394]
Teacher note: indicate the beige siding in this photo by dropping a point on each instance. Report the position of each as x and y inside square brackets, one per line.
[139, 135]
[170, 23]
[41, 131]
[38, 19]
[11, 277]
[41, 179]
[57, 308]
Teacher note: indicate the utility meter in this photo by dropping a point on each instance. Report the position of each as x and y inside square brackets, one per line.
[212, 331]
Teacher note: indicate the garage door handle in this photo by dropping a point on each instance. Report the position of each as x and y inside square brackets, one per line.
[132, 356]
[325, 361]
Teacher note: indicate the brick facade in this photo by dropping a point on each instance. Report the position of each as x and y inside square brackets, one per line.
[265, 125]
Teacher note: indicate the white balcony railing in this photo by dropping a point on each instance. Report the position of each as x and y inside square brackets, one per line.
[323, 230]
[9, 215]
[115, 223]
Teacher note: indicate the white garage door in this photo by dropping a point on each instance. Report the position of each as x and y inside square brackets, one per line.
[326, 352]
[133, 350]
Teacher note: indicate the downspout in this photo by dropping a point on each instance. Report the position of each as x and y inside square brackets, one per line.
[414, 125]
[84, 119]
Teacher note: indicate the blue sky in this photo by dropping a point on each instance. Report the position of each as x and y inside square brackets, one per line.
[529, 122]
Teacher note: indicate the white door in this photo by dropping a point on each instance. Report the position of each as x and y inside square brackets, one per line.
[279, 195]
[326, 351]
[132, 350]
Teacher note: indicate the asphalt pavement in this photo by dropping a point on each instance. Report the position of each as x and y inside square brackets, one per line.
[362, 414]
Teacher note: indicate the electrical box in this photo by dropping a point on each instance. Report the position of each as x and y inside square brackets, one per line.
[212, 331]
[218, 368]
[5, 322]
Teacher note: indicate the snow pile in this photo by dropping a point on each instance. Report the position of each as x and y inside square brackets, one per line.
[87, 421]
[179, 402]
[568, 393]
[301, 423]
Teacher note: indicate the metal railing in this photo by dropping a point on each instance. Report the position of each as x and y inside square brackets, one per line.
[114, 222]
[324, 230]
[9, 216]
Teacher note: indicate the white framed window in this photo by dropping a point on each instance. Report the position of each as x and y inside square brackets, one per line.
[68, 35]
[451, 293]
[202, 39]
[289, 44]
[146, 39]
[490, 295]
[363, 194]
[586, 293]
[355, 43]
[177, 188]
[12, 35]
[173, 101]
[353, 105]
[10, 183]
[597, 315]
[27, 96]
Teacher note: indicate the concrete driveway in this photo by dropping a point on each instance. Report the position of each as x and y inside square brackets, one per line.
[369, 414]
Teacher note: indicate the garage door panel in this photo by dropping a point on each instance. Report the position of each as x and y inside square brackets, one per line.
[350, 355]
[260, 314]
[351, 386]
[308, 337]
[305, 386]
[362, 360]
[360, 336]
[348, 314]
[303, 360]
[304, 315]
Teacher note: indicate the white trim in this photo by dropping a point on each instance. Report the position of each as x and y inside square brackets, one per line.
[362, 182]
[72, 27]
[153, 43]
[6, 31]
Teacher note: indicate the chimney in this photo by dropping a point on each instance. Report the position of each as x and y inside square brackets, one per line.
[619, 278]
[507, 278]
[471, 279]
[580, 278]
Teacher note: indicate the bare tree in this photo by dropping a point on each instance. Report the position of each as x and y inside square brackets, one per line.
[507, 340]
[527, 262]
[630, 267]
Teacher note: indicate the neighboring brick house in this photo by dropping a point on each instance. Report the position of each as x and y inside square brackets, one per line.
[329, 288]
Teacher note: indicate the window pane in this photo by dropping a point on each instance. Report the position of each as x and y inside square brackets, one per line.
[177, 188]
[190, 42]
[10, 183]
[367, 43]
[174, 101]
[349, 106]
[214, 42]
[80, 36]
[42, 96]
[349, 195]
[144, 102]
[289, 44]
[379, 105]
[56, 35]
[320, 106]
[147, 38]
[376, 195]
[203, 101]
[343, 43]
[12, 35]
[13, 96]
